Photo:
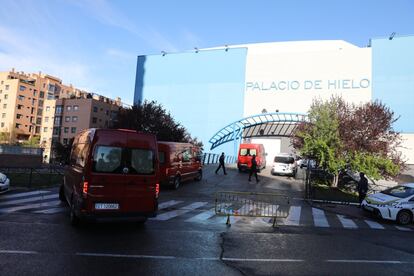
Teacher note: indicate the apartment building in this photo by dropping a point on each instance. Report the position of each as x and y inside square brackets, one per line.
[38, 104]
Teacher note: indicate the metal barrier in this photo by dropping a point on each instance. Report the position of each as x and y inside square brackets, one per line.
[249, 204]
[213, 158]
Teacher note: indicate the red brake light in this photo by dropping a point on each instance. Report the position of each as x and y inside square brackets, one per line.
[157, 190]
[85, 188]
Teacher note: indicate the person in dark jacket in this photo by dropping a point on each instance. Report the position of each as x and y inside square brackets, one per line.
[221, 164]
[362, 187]
[253, 168]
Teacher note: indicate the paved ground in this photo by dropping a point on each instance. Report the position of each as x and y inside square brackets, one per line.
[187, 238]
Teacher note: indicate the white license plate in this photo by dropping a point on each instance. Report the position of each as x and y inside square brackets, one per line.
[106, 206]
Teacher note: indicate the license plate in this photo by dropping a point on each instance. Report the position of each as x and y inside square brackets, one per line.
[106, 206]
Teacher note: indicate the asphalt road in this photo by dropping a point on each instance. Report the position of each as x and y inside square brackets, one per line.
[35, 243]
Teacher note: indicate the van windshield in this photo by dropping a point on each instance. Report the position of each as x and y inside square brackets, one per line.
[246, 152]
[284, 159]
[108, 159]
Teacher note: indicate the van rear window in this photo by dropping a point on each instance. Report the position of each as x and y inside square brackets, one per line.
[284, 159]
[108, 159]
[246, 152]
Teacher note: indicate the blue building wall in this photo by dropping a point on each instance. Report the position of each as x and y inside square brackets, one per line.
[204, 91]
[393, 78]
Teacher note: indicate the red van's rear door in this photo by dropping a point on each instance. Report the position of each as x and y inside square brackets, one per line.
[139, 194]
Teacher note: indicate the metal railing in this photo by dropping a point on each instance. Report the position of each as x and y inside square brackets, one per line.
[250, 204]
[213, 158]
[20, 150]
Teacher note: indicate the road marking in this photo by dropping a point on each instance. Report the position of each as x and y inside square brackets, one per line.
[125, 256]
[403, 228]
[319, 218]
[203, 216]
[246, 208]
[346, 223]
[374, 225]
[178, 212]
[261, 260]
[368, 261]
[52, 210]
[30, 206]
[294, 216]
[30, 199]
[17, 252]
[23, 194]
[167, 204]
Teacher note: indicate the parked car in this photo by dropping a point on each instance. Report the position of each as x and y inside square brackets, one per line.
[396, 203]
[4, 183]
[246, 151]
[179, 162]
[113, 174]
[284, 164]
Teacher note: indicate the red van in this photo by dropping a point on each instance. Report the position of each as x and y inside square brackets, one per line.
[246, 151]
[113, 174]
[179, 162]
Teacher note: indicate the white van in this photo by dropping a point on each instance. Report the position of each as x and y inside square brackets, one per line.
[284, 164]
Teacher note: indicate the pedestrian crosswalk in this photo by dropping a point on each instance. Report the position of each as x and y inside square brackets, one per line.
[47, 203]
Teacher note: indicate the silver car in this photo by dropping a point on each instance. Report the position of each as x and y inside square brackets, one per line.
[4, 183]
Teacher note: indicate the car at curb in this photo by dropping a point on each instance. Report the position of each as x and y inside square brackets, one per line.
[4, 183]
[396, 203]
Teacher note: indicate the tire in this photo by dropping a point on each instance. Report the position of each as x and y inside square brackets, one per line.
[62, 193]
[404, 217]
[74, 220]
[199, 175]
[177, 183]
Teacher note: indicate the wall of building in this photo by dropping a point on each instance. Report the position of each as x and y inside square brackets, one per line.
[204, 91]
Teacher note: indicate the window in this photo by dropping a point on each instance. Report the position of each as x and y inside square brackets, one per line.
[284, 159]
[37, 130]
[7, 87]
[399, 191]
[6, 96]
[21, 98]
[107, 112]
[4, 105]
[142, 161]
[56, 130]
[95, 109]
[2, 124]
[161, 157]
[18, 125]
[46, 119]
[38, 121]
[45, 129]
[39, 112]
[42, 94]
[67, 119]
[22, 88]
[79, 154]
[65, 141]
[75, 107]
[58, 109]
[34, 92]
[94, 120]
[40, 103]
[101, 109]
[19, 106]
[47, 108]
[74, 118]
[33, 101]
[69, 108]
[66, 130]
[245, 152]
[73, 129]
[186, 155]
[3, 115]
[57, 121]
[18, 116]
[107, 159]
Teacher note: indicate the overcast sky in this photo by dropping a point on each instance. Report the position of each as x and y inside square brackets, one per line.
[93, 44]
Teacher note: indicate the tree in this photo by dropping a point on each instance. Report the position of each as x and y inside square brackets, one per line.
[61, 153]
[342, 136]
[33, 142]
[152, 118]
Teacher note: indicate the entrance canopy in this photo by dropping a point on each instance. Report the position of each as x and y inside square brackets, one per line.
[261, 125]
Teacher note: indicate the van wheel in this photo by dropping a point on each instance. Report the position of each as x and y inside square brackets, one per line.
[177, 183]
[74, 220]
[199, 175]
[404, 217]
[62, 193]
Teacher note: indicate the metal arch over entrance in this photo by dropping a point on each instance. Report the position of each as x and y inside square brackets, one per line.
[261, 125]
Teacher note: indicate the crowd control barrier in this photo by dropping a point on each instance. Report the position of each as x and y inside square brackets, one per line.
[249, 204]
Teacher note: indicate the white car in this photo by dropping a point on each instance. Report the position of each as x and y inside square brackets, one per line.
[4, 183]
[395, 203]
[284, 164]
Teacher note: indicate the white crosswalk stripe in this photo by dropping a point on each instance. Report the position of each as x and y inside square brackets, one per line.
[17, 195]
[165, 205]
[52, 210]
[30, 206]
[294, 216]
[403, 228]
[30, 199]
[179, 212]
[202, 216]
[374, 225]
[319, 218]
[346, 223]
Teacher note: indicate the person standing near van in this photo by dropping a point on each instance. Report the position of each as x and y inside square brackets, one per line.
[253, 168]
[221, 164]
[362, 187]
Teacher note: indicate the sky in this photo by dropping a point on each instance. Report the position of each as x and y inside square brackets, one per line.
[94, 44]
